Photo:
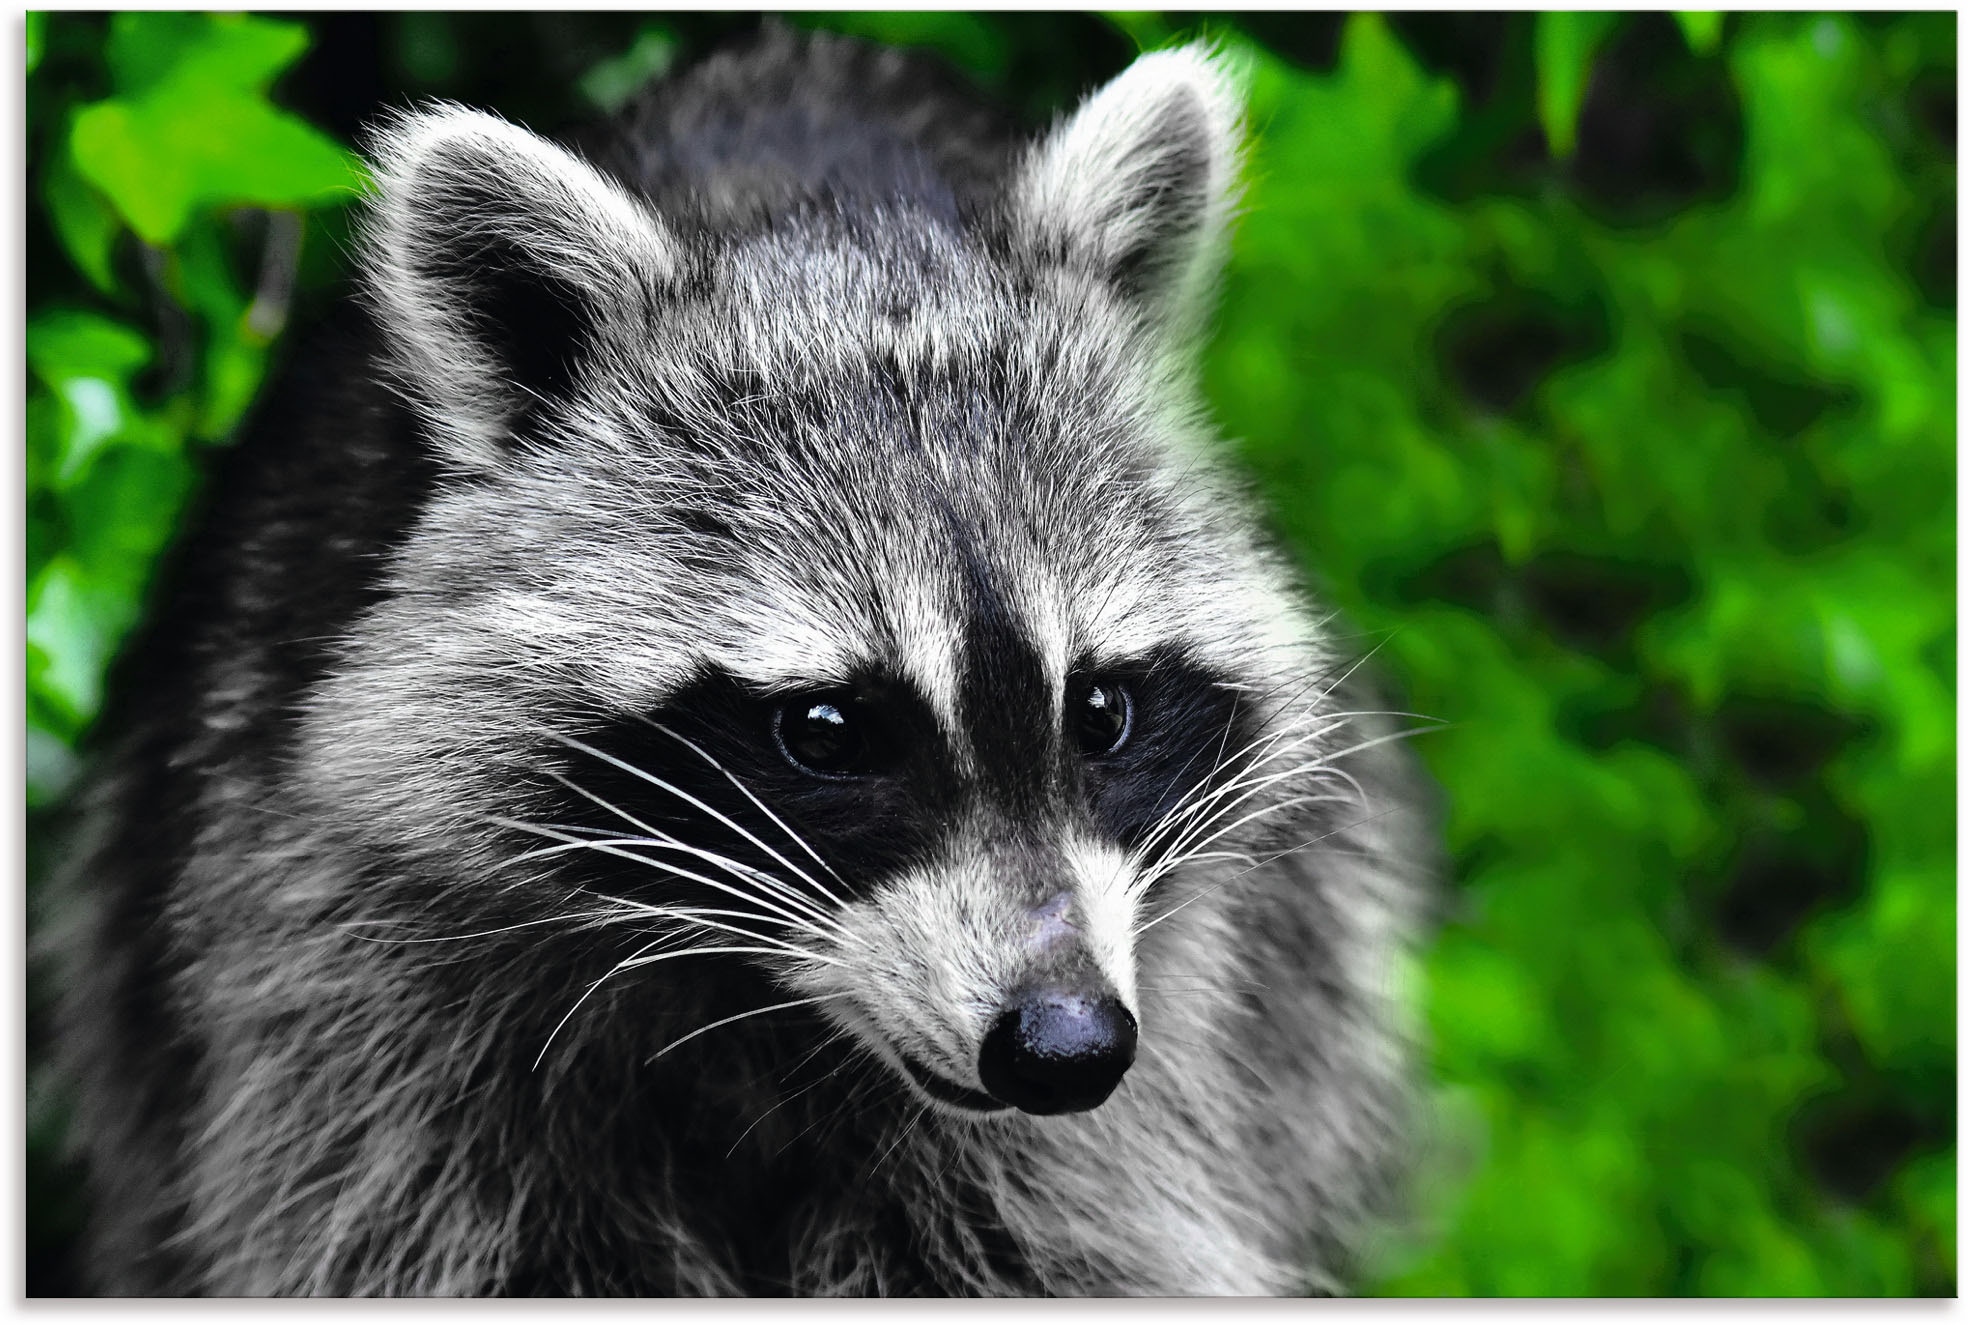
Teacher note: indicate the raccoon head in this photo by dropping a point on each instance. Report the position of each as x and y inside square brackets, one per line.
[853, 596]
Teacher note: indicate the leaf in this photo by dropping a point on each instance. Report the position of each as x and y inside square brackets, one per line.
[62, 342]
[1565, 45]
[610, 83]
[74, 627]
[84, 221]
[1701, 28]
[191, 126]
[190, 146]
[1148, 29]
[37, 38]
[86, 361]
[222, 52]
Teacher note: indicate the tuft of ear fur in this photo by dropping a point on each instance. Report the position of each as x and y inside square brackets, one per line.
[1139, 185]
[497, 263]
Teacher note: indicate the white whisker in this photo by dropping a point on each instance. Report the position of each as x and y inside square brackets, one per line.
[763, 809]
[1202, 893]
[792, 917]
[686, 797]
[755, 1012]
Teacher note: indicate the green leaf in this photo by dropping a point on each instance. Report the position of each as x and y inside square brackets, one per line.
[1565, 46]
[84, 221]
[221, 52]
[37, 37]
[86, 361]
[612, 82]
[191, 126]
[187, 146]
[1701, 28]
[1147, 29]
[62, 342]
[73, 626]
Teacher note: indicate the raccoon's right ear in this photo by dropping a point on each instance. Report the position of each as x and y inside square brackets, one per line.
[497, 263]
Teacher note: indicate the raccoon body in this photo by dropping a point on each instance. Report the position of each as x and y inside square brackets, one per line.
[731, 736]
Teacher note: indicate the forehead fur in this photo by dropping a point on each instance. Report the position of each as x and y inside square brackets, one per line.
[836, 433]
[800, 445]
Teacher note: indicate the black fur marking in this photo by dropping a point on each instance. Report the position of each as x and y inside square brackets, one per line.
[865, 828]
[1003, 699]
[1185, 723]
[537, 325]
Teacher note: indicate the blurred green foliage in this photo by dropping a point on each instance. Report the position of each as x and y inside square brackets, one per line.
[146, 142]
[1604, 377]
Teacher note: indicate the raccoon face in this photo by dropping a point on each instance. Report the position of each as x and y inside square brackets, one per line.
[854, 599]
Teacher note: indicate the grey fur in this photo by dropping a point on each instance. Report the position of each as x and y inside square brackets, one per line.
[329, 1019]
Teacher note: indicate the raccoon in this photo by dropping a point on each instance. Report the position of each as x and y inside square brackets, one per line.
[729, 731]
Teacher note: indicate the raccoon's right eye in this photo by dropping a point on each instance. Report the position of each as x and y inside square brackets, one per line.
[828, 734]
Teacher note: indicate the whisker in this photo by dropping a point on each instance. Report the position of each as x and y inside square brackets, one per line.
[1248, 786]
[1187, 839]
[695, 952]
[726, 1021]
[736, 868]
[763, 809]
[695, 916]
[348, 926]
[1142, 929]
[1203, 794]
[794, 917]
[832, 1038]
[1177, 861]
[1244, 780]
[685, 796]
[900, 1137]
[786, 892]
[585, 995]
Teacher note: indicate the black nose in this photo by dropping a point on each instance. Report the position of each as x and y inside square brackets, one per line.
[1055, 1052]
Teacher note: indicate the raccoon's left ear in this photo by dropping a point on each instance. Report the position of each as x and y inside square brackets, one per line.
[498, 264]
[1139, 185]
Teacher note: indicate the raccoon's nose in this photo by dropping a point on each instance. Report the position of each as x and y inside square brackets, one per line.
[1055, 1052]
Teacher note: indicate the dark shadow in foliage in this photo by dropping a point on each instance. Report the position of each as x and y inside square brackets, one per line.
[1594, 603]
[1471, 576]
[1936, 258]
[1496, 353]
[1660, 130]
[1783, 743]
[1057, 57]
[1496, 146]
[1781, 876]
[1310, 41]
[1781, 402]
[1853, 1141]
[1589, 601]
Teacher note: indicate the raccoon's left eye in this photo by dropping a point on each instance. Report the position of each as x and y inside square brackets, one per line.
[1103, 718]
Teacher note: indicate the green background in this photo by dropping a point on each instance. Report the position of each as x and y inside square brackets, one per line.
[1602, 369]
